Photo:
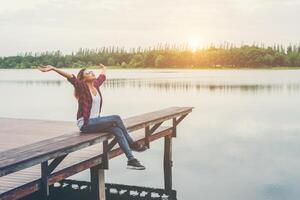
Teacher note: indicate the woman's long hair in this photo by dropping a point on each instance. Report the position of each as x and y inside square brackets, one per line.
[79, 77]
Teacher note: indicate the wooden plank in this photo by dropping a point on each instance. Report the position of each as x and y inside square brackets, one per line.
[26, 181]
[34, 146]
[43, 129]
[20, 192]
[144, 120]
[81, 165]
[23, 157]
[14, 162]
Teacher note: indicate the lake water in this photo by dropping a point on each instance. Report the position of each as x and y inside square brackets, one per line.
[241, 142]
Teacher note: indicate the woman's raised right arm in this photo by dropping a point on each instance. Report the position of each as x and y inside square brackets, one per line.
[70, 77]
[47, 68]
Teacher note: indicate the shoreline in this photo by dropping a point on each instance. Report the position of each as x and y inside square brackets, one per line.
[173, 68]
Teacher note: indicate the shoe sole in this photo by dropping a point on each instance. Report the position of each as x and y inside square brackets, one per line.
[136, 168]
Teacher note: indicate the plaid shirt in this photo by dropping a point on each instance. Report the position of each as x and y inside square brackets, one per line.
[85, 98]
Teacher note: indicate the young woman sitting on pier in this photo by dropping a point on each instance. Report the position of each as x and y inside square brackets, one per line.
[87, 92]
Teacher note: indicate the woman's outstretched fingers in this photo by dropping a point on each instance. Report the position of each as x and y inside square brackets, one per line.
[46, 68]
[41, 68]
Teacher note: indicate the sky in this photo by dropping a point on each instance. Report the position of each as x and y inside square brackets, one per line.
[67, 25]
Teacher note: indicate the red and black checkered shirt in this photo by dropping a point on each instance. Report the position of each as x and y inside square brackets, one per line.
[85, 98]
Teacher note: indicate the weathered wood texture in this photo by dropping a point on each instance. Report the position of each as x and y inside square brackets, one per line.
[25, 140]
[168, 163]
[26, 181]
[97, 182]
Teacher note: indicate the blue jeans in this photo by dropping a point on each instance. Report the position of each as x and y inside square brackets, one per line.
[112, 124]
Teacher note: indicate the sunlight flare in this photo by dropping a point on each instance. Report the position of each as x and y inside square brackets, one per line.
[194, 44]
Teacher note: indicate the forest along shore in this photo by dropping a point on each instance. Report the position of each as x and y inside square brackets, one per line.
[165, 56]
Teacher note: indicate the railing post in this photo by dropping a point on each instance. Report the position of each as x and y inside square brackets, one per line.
[44, 180]
[168, 164]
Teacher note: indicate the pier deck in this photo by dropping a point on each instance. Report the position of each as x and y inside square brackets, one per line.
[27, 145]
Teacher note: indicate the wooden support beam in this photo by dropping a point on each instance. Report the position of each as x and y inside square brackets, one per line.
[180, 118]
[46, 170]
[55, 163]
[94, 182]
[174, 134]
[147, 136]
[154, 127]
[97, 173]
[168, 164]
[149, 131]
[104, 164]
[97, 183]
[176, 122]
[44, 180]
[112, 144]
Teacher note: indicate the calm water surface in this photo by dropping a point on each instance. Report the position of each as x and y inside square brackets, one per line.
[241, 142]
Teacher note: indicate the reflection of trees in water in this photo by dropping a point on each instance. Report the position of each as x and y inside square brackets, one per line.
[170, 85]
[32, 82]
[174, 85]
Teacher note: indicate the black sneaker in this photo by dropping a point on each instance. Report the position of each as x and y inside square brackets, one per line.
[138, 147]
[135, 164]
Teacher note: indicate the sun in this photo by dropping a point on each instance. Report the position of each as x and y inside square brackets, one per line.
[194, 44]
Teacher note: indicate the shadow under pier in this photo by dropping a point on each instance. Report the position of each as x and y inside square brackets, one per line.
[79, 190]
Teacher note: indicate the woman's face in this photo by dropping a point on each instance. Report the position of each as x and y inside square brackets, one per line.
[89, 75]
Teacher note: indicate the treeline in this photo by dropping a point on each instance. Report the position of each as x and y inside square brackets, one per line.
[181, 56]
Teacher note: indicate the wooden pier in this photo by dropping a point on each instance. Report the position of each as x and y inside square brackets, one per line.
[37, 153]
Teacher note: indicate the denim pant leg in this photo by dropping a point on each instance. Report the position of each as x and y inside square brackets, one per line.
[120, 124]
[99, 124]
[103, 124]
[122, 141]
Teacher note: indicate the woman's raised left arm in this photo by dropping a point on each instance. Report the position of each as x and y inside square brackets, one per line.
[103, 69]
[102, 76]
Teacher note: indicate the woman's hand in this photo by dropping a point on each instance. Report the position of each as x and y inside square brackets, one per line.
[46, 68]
[103, 68]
